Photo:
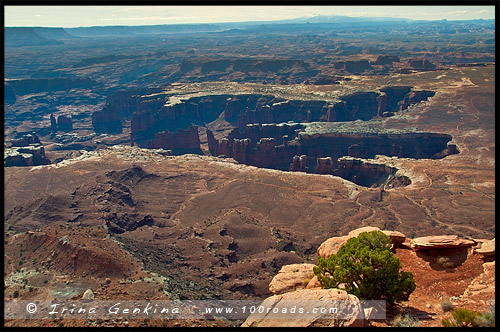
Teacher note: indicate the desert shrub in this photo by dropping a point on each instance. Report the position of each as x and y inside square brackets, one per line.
[365, 267]
[447, 306]
[405, 320]
[488, 318]
[15, 294]
[468, 318]
[445, 262]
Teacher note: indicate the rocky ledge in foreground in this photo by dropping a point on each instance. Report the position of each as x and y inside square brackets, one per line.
[296, 284]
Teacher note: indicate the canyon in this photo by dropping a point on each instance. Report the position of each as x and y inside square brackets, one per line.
[196, 162]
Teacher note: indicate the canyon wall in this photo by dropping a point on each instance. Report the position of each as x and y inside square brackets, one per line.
[182, 141]
[207, 65]
[13, 88]
[286, 147]
[25, 151]
[151, 116]
[121, 105]
[268, 126]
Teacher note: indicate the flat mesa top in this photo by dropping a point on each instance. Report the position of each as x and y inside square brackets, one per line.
[185, 91]
[373, 127]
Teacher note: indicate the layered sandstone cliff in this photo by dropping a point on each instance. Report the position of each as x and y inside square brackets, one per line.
[13, 88]
[182, 141]
[25, 151]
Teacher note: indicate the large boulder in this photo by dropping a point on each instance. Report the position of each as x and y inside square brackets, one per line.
[313, 283]
[396, 237]
[357, 231]
[486, 248]
[291, 277]
[440, 242]
[303, 308]
[88, 295]
[332, 245]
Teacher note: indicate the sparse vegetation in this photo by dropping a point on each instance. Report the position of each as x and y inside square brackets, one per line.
[406, 320]
[445, 262]
[447, 306]
[365, 267]
[463, 317]
[15, 294]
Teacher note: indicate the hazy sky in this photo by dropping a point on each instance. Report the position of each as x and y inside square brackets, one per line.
[74, 16]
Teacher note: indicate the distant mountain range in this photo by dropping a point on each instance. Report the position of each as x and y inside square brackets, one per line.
[343, 19]
[33, 36]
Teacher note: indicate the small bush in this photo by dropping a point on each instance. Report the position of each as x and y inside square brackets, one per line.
[468, 318]
[447, 306]
[405, 320]
[488, 318]
[15, 294]
[445, 262]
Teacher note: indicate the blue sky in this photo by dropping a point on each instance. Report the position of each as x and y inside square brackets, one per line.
[74, 16]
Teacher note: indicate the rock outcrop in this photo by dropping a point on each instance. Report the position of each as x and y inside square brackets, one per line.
[332, 245]
[25, 140]
[64, 123]
[21, 87]
[120, 223]
[486, 248]
[53, 123]
[258, 145]
[244, 70]
[353, 66]
[182, 141]
[244, 109]
[88, 295]
[365, 173]
[296, 148]
[481, 287]
[414, 97]
[397, 238]
[324, 165]
[422, 64]
[349, 310]
[440, 242]
[291, 277]
[367, 145]
[121, 105]
[118, 107]
[299, 164]
[25, 151]
[386, 60]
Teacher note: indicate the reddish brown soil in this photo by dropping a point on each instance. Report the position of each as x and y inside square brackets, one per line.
[224, 230]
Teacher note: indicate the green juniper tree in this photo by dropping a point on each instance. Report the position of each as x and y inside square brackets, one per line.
[365, 266]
